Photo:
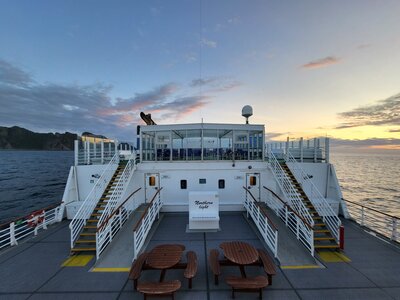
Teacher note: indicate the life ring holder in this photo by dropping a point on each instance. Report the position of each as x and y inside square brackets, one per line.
[36, 218]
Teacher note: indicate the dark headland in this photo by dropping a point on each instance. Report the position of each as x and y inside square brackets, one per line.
[17, 138]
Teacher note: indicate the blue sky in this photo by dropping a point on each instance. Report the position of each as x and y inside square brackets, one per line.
[307, 67]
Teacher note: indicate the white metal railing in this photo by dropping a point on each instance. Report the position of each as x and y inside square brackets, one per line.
[323, 208]
[110, 226]
[143, 227]
[92, 199]
[20, 228]
[87, 153]
[267, 229]
[380, 222]
[115, 198]
[290, 192]
[301, 228]
[311, 150]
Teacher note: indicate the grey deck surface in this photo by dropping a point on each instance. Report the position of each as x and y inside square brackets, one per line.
[33, 269]
[291, 251]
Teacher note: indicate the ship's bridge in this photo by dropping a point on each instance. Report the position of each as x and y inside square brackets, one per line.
[202, 142]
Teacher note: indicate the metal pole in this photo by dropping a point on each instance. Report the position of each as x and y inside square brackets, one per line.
[102, 151]
[76, 151]
[301, 150]
[327, 150]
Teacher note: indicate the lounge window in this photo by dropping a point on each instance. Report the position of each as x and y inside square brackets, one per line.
[152, 181]
[183, 184]
[221, 183]
[202, 181]
[253, 180]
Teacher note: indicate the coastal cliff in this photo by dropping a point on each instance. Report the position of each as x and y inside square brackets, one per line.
[22, 139]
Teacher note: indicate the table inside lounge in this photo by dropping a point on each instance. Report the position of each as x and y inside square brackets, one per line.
[240, 253]
[164, 257]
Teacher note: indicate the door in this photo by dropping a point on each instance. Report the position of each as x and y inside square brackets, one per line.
[253, 184]
[152, 184]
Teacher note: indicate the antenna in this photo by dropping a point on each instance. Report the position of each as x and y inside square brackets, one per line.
[247, 111]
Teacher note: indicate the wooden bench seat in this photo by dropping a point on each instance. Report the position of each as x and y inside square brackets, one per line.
[136, 268]
[191, 268]
[165, 288]
[213, 260]
[249, 284]
[268, 264]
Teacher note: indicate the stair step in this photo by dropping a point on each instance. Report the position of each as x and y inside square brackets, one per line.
[93, 220]
[90, 227]
[322, 231]
[333, 246]
[317, 218]
[320, 224]
[83, 249]
[95, 215]
[85, 241]
[88, 233]
[323, 238]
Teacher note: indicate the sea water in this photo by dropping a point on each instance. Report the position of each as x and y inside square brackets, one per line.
[31, 180]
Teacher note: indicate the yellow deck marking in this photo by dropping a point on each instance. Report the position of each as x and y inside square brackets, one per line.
[110, 269]
[301, 267]
[332, 257]
[77, 261]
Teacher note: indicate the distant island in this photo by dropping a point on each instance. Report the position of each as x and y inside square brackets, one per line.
[17, 138]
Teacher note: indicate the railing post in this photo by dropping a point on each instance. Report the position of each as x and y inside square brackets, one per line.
[297, 228]
[13, 240]
[327, 150]
[315, 150]
[301, 149]
[88, 152]
[287, 149]
[102, 151]
[286, 216]
[76, 152]
[394, 229]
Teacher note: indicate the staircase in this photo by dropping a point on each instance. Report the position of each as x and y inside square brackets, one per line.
[323, 238]
[86, 241]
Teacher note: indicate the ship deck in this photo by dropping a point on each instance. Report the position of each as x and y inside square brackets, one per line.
[39, 268]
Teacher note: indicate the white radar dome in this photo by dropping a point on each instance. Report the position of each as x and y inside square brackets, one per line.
[247, 111]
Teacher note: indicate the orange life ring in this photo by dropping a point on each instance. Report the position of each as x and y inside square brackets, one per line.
[36, 218]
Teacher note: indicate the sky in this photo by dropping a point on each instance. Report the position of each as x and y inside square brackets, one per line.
[308, 68]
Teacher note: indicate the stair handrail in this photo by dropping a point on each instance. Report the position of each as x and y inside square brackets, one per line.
[289, 208]
[266, 227]
[289, 190]
[111, 226]
[145, 222]
[119, 190]
[301, 228]
[322, 207]
[92, 199]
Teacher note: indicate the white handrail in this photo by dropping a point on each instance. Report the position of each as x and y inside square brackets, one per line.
[16, 230]
[92, 199]
[141, 231]
[304, 232]
[264, 225]
[323, 208]
[103, 238]
[290, 192]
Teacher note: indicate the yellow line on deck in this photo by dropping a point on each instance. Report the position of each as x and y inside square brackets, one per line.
[332, 257]
[110, 269]
[77, 261]
[301, 267]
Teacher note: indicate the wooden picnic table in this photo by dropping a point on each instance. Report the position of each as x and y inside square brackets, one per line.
[164, 257]
[240, 253]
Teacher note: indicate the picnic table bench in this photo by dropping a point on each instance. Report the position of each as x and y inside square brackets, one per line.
[250, 284]
[165, 288]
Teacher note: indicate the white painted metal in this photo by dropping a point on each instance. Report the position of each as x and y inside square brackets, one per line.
[92, 199]
[385, 224]
[141, 232]
[20, 229]
[105, 234]
[321, 205]
[267, 230]
[304, 233]
[292, 196]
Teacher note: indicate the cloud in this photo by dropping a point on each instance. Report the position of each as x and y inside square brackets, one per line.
[385, 112]
[372, 143]
[48, 107]
[10, 74]
[394, 130]
[271, 135]
[320, 63]
[363, 46]
[215, 84]
[208, 43]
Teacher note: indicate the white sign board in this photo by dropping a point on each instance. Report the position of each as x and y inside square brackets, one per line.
[203, 210]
